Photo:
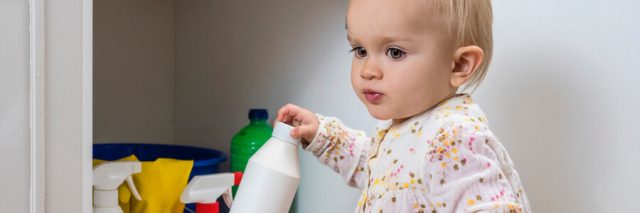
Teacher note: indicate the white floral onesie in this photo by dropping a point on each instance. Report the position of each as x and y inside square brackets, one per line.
[444, 160]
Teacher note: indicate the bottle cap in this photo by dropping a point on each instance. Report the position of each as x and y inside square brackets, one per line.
[258, 114]
[282, 131]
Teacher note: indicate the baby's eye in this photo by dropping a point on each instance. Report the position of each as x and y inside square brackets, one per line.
[360, 52]
[395, 53]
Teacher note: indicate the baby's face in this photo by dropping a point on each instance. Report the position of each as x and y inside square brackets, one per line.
[402, 58]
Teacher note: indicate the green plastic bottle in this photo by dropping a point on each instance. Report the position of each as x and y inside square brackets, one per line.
[249, 139]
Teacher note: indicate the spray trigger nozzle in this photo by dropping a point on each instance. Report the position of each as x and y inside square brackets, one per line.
[107, 177]
[133, 189]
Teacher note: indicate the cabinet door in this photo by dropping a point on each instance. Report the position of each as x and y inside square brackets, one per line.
[45, 101]
[68, 112]
[14, 105]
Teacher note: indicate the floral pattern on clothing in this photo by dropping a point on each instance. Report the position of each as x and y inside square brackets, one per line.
[443, 160]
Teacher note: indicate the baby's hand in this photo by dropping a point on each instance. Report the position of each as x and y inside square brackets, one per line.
[305, 122]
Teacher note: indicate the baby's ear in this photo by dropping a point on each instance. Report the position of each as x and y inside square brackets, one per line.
[467, 60]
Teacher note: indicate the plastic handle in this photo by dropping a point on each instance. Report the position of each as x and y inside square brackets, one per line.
[133, 189]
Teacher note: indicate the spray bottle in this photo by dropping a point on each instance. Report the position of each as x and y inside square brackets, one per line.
[272, 175]
[204, 190]
[107, 177]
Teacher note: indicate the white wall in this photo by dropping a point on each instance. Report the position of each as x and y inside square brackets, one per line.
[563, 93]
[14, 106]
[134, 67]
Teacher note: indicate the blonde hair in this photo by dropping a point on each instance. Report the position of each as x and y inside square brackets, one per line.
[470, 22]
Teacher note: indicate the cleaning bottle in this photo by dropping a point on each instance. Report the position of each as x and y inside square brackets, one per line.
[271, 178]
[107, 177]
[249, 139]
[204, 190]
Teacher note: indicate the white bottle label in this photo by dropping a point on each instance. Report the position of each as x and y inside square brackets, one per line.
[265, 190]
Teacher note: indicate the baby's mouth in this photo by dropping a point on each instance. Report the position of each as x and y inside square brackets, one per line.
[372, 96]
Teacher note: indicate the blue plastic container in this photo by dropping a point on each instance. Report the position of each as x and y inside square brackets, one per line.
[205, 161]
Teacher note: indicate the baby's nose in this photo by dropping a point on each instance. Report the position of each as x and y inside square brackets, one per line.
[370, 71]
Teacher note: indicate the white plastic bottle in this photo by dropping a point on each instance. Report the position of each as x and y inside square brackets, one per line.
[272, 175]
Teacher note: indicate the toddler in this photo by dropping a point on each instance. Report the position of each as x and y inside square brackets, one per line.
[433, 150]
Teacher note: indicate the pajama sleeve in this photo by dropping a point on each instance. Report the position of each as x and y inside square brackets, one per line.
[342, 149]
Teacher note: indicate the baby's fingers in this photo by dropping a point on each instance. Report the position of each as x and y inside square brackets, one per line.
[298, 132]
[306, 132]
[287, 113]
